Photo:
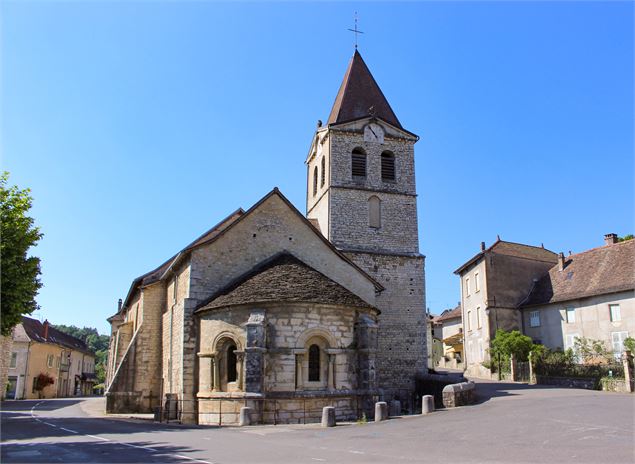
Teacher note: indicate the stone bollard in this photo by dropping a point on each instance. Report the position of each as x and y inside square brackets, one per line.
[381, 411]
[328, 416]
[427, 404]
[245, 416]
[395, 408]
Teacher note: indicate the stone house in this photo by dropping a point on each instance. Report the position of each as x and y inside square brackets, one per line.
[450, 326]
[275, 309]
[589, 294]
[493, 284]
[38, 348]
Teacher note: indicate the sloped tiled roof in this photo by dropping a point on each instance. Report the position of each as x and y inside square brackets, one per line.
[283, 278]
[518, 250]
[599, 271]
[358, 93]
[449, 314]
[35, 331]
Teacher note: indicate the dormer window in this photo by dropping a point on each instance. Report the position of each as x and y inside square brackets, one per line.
[358, 163]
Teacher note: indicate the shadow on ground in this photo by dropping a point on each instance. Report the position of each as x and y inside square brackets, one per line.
[485, 391]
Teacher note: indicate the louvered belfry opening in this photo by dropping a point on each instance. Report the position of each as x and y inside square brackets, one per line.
[358, 163]
[387, 166]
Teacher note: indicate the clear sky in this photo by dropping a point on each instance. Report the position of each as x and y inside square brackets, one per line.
[139, 125]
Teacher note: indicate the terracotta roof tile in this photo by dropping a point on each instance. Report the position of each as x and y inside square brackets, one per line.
[358, 93]
[35, 331]
[599, 271]
[449, 314]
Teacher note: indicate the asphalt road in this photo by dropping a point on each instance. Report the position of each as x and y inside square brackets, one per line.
[512, 423]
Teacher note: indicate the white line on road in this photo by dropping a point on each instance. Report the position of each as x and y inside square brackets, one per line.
[114, 441]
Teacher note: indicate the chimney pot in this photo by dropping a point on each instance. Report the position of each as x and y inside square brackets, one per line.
[610, 239]
[482, 246]
[561, 260]
[119, 303]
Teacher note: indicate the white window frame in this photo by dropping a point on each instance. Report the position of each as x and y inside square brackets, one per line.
[477, 282]
[615, 312]
[534, 318]
[14, 360]
[570, 315]
[478, 317]
[49, 360]
[469, 320]
[621, 336]
[467, 286]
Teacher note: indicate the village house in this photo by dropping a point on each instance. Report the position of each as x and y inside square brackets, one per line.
[450, 327]
[493, 284]
[39, 348]
[589, 294]
[286, 312]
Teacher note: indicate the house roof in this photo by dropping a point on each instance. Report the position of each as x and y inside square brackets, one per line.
[221, 228]
[283, 278]
[35, 331]
[358, 93]
[599, 271]
[518, 250]
[449, 314]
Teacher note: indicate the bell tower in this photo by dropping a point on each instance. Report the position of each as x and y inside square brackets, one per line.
[361, 193]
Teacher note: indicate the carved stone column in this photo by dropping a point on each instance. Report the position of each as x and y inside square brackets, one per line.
[331, 372]
[240, 361]
[299, 380]
[255, 352]
[216, 372]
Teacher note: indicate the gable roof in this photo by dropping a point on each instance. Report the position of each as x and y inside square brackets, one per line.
[358, 93]
[35, 331]
[518, 250]
[225, 226]
[599, 271]
[449, 314]
[284, 277]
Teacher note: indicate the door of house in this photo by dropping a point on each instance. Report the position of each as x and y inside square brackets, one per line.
[12, 387]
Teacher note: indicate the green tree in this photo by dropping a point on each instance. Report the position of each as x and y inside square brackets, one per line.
[20, 273]
[629, 344]
[95, 342]
[511, 343]
[625, 238]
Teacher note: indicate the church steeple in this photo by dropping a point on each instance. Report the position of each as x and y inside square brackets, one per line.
[360, 96]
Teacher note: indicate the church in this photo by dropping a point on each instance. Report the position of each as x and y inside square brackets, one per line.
[286, 312]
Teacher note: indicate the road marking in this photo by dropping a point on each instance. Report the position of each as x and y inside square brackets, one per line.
[68, 430]
[148, 448]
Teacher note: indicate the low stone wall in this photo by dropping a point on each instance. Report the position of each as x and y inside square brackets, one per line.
[124, 402]
[615, 385]
[458, 394]
[216, 411]
[570, 382]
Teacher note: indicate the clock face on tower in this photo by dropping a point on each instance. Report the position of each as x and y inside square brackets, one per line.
[373, 133]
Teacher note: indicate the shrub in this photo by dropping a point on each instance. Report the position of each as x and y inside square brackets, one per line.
[629, 344]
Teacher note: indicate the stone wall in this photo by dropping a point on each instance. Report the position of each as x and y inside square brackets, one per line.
[5, 358]
[571, 382]
[459, 394]
[402, 323]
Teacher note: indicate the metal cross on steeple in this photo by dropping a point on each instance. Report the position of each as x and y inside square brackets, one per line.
[356, 31]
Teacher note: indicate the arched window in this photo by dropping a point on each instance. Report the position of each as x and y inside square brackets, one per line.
[314, 363]
[358, 163]
[374, 212]
[232, 372]
[323, 179]
[387, 166]
[315, 180]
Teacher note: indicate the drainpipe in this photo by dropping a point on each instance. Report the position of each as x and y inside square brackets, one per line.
[26, 370]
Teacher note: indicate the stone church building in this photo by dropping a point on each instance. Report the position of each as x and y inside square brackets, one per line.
[286, 312]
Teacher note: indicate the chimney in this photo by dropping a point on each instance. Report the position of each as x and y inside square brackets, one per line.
[561, 260]
[610, 239]
[482, 246]
[46, 329]
[119, 303]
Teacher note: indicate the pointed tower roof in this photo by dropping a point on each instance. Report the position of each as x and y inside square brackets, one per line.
[358, 93]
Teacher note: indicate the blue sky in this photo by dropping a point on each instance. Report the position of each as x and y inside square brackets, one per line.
[138, 125]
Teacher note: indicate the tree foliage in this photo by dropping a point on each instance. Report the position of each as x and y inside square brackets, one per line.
[97, 343]
[511, 343]
[629, 344]
[625, 238]
[20, 273]
[590, 351]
